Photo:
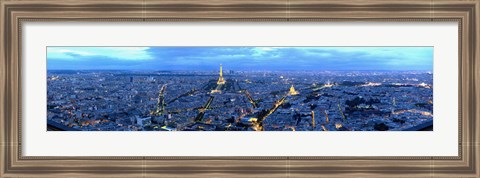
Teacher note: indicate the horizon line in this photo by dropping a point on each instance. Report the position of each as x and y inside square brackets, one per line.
[224, 69]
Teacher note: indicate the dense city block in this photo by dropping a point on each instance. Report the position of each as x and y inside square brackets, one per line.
[228, 100]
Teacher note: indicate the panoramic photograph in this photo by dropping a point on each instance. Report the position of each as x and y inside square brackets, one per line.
[239, 88]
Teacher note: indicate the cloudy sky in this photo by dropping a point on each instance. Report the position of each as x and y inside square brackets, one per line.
[240, 58]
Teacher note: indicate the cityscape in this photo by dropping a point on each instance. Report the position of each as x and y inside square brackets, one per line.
[225, 96]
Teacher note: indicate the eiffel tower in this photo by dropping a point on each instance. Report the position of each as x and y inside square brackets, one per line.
[221, 81]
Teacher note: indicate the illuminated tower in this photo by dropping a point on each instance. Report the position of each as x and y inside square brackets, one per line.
[292, 91]
[221, 81]
[326, 116]
[313, 119]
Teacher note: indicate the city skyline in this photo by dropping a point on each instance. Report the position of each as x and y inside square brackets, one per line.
[240, 89]
[244, 101]
[241, 58]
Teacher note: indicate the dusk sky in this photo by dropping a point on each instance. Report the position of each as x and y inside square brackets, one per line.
[240, 58]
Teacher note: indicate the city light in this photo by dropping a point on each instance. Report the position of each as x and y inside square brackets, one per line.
[221, 97]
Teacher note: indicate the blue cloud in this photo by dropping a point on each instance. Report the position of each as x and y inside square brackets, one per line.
[241, 58]
[77, 53]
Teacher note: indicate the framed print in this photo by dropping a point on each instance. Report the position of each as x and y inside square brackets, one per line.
[239, 88]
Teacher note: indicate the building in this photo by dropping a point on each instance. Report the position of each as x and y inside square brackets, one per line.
[143, 120]
[293, 91]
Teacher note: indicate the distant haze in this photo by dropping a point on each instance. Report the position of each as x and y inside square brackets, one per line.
[240, 58]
